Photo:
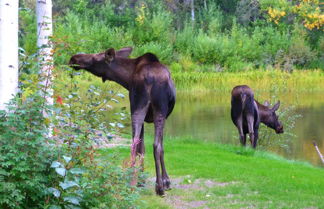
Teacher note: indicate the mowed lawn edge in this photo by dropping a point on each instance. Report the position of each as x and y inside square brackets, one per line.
[252, 178]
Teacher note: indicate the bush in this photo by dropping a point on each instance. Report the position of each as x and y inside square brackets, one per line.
[153, 27]
[84, 179]
[163, 52]
[25, 155]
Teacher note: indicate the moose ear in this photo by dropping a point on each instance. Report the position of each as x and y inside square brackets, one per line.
[110, 55]
[266, 103]
[276, 106]
[124, 52]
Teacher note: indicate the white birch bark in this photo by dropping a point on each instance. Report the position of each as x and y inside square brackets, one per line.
[8, 51]
[192, 10]
[44, 32]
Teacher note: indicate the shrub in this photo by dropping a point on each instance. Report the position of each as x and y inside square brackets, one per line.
[25, 157]
[83, 178]
[185, 40]
[163, 52]
[152, 28]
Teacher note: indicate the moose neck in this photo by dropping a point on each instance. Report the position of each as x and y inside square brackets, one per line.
[121, 71]
[263, 113]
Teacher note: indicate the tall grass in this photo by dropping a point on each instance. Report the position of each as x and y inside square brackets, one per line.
[269, 80]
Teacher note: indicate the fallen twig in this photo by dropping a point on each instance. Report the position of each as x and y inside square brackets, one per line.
[318, 151]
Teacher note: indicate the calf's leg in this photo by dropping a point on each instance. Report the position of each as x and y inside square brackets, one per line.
[250, 121]
[239, 125]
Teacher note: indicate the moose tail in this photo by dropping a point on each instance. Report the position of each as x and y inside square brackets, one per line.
[243, 99]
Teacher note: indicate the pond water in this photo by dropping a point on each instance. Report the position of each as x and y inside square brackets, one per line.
[206, 116]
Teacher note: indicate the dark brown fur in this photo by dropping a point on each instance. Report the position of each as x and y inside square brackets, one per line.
[151, 95]
[247, 113]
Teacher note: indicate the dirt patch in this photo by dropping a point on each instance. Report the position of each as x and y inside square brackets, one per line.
[178, 203]
[188, 186]
[210, 184]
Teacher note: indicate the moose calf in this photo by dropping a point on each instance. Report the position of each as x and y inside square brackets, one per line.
[247, 113]
[151, 94]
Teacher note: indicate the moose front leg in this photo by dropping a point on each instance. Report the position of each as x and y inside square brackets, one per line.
[256, 137]
[140, 149]
[158, 154]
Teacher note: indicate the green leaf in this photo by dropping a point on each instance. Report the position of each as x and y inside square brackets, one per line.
[54, 191]
[73, 200]
[67, 159]
[61, 171]
[67, 184]
[56, 164]
[120, 95]
[55, 207]
[76, 171]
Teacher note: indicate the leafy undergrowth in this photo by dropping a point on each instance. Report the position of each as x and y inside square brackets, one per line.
[208, 175]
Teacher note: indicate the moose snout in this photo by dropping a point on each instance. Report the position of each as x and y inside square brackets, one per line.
[74, 63]
[279, 129]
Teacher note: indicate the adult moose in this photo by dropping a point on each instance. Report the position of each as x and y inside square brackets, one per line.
[247, 113]
[151, 94]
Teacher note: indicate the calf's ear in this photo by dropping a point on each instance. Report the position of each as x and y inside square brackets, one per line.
[266, 103]
[124, 52]
[276, 106]
[110, 55]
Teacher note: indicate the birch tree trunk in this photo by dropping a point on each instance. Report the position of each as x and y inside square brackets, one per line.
[8, 51]
[44, 32]
[192, 5]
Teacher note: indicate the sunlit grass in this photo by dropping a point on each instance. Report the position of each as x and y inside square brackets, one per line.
[255, 178]
[265, 80]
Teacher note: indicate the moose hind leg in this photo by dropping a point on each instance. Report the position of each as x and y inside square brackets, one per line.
[239, 125]
[250, 121]
[159, 121]
[165, 178]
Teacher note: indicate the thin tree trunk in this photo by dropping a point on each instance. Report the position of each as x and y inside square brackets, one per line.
[192, 11]
[8, 51]
[318, 152]
[45, 51]
[44, 32]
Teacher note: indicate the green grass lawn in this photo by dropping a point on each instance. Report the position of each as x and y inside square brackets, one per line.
[238, 178]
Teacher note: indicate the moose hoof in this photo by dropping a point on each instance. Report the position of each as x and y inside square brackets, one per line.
[166, 184]
[159, 191]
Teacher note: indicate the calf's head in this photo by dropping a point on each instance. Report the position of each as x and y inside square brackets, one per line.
[98, 64]
[270, 117]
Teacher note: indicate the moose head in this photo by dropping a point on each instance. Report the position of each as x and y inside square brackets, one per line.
[269, 116]
[101, 64]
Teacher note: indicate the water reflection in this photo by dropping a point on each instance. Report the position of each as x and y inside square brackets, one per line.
[206, 116]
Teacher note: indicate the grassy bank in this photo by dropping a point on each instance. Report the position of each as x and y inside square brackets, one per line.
[223, 176]
[270, 80]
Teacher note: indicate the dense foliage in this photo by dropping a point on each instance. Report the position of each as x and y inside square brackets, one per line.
[62, 169]
[224, 35]
[25, 157]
